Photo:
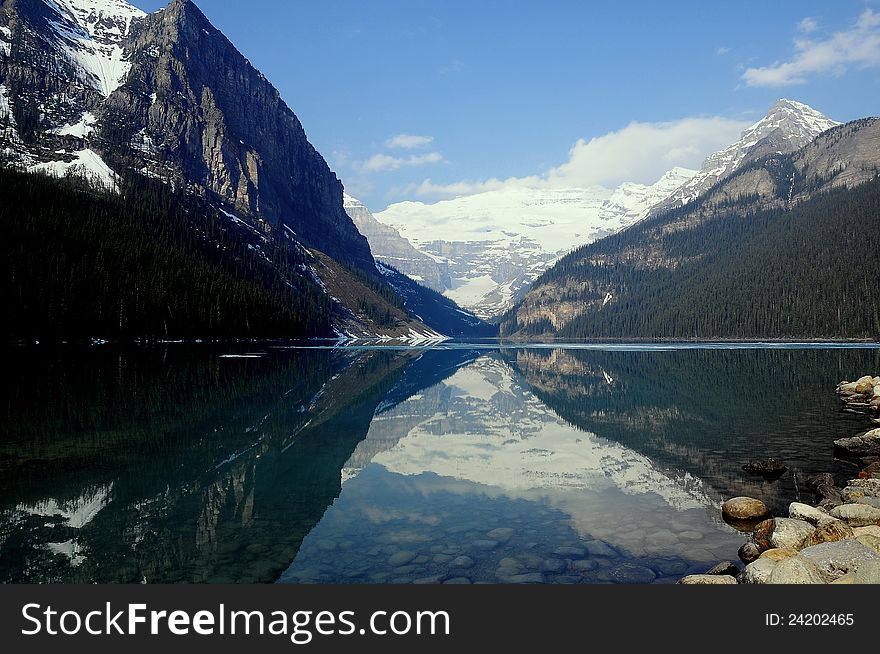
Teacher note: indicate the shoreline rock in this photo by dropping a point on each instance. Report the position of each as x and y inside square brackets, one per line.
[836, 542]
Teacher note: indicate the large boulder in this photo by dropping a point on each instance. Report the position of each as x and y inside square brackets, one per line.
[757, 572]
[870, 530]
[808, 513]
[795, 570]
[829, 532]
[867, 444]
[868, 573]
[784, 533]
[744, 508]
[839, 558]
[857, 515]
[869, 540]
[707, 579]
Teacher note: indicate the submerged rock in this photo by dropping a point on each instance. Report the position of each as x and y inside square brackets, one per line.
[632, 573]
[724, 568]
[528, 578]
[554, 566]
[570, 552]
[461, 562]
[598, 548]
[586, 565]
[401, 558]
[765, 468]
[484, 544]
[744, 508]
[501, 534]
[822, 479]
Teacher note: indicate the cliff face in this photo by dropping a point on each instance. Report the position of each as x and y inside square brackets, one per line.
[201, 105]
[390, 247]
[168, 95]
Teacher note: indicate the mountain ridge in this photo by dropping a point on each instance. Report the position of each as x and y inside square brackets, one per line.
[504, 239]
[682, 273]
[787, 126]
[98, 89]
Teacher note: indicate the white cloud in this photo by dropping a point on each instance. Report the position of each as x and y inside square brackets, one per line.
[859, 45]
[640, 152]
[381, 162]
[808, 25]
[722, 50]
[409, 141]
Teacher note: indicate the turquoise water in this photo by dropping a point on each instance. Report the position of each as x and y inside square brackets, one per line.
[461, 463]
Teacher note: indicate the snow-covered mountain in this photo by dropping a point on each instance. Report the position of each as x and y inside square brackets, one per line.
[82, 41]
[90, 33]
[494, 244]
[395, 249]
[788, 125]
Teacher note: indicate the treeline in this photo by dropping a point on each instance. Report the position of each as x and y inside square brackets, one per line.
[806, 273]
[146, 263]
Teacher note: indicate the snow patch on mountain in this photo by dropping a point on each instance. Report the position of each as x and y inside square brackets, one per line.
[85, 163]
[90, 32]
[5, 38]
[5, 109]
[80, 129]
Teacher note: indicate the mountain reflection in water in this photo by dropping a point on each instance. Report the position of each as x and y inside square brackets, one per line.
[462, 464]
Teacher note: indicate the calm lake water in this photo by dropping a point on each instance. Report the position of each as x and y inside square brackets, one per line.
[460, 463]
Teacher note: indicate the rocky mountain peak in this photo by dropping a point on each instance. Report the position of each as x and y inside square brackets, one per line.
[106, 21]
[100, 85]
[787, 126]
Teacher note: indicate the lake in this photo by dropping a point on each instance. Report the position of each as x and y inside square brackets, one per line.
[459, 463]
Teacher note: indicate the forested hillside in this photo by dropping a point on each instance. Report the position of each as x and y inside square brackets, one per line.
[808, 272]
[147, 262]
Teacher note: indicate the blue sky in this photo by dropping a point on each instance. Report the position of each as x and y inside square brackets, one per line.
[544, 93]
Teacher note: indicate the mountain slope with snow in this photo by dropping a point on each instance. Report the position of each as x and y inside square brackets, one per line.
[99, 89]
[788, 125]
[390, 247]
[494, 244]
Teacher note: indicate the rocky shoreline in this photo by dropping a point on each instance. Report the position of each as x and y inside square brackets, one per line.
[837, 541]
